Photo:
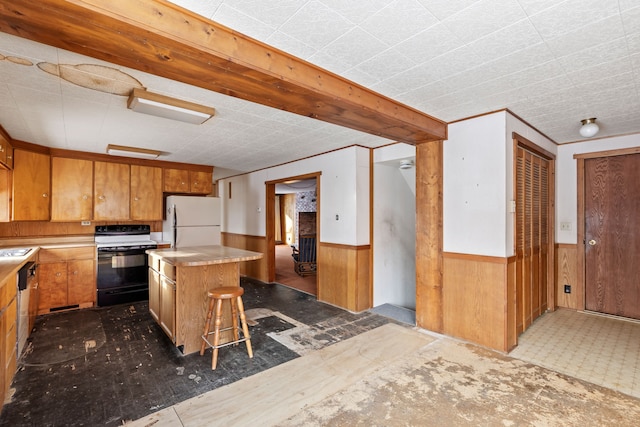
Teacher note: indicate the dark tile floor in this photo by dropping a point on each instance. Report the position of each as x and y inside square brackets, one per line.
[107, 365]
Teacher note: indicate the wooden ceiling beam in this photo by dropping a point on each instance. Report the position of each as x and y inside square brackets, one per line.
[163, 39]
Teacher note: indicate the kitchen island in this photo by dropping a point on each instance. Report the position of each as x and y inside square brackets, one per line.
[178, 283]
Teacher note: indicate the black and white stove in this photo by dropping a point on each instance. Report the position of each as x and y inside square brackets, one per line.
[122, 275]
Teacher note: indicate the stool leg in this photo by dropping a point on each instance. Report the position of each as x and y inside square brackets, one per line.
[245, 328]
[207, 325]
[234, 320]
[216, 334]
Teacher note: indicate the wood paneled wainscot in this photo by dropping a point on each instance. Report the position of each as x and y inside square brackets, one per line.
[67, 278]
[567, 274]
[179, 282]
[257, 268]
[479, 299]
[344, 276]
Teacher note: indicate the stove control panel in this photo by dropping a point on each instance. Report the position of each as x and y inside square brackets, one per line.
[124, 229]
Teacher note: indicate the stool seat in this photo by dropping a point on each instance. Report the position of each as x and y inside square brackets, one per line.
[232, 294]
[226, 292]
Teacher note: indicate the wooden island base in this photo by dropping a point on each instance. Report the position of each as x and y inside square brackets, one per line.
[179, 280]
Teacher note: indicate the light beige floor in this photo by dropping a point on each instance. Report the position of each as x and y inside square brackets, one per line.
[396, 375]
[603, 350]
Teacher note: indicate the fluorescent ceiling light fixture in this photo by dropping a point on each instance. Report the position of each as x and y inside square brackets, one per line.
[589, 127]
[140, 153]
[158, 105]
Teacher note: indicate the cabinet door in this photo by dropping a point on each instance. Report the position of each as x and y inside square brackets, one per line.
[168, 307]
[6, 152]
[201, 182]
[71, 189]
[31, 181]
[154, 294]
[53, 285]
[176, 181]
[111, 191]
[81, 286]
[146, 193]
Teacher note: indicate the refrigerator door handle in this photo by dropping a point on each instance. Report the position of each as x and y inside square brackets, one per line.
[175, 227]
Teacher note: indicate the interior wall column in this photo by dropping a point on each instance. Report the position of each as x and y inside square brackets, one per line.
[429, 235]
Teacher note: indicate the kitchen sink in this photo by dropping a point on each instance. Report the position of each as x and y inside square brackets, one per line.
[14, 252]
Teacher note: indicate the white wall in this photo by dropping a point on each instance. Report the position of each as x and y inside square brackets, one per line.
[394, 227]
[513, 124]
[344, 191]
[475, 199]
[567, 179]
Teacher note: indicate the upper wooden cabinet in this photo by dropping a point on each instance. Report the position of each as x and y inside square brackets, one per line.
[111, 191]
[71, 189]
[6, 152]
[176, 181]
[201, 182]
[185, 181]
[146, 193]
[31, 182]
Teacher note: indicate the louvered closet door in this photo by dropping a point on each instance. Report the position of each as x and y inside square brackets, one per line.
[532, 241]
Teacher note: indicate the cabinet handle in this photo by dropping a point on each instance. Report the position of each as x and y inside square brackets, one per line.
[135, 199]
[1, 149]
[45, 195]
[101, 197]
[74, 273]
[85, 197]
[58, 274]
[182, 183]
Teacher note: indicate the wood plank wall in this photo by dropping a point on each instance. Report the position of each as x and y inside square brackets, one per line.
[479, 299]
[567, 273]
[256, 269]
[344, 277]
[18, 229]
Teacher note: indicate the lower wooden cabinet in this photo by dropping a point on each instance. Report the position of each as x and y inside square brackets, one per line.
[8, 334]
[162, 295]
[67, 278]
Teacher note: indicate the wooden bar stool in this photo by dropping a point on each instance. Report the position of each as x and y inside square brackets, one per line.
[216, 297]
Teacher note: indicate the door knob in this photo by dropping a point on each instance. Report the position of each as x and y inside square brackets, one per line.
[592, 242]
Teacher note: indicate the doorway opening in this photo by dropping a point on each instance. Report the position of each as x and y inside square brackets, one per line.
[293, 215]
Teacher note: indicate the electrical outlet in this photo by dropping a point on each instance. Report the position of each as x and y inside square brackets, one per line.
[85, 223]
[567, 289]
[565, 226]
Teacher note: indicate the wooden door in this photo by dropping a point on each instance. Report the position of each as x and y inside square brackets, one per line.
[146, 193]
[612, 235]
[532, 237]
[31, 182]
[71, 189]
[111, 191]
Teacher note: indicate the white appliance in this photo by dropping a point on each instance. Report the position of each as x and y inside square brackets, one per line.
[192, 221]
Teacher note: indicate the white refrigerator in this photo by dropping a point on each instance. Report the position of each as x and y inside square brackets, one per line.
[192, 221]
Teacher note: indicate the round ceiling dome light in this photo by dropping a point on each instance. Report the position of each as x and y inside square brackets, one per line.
[589, 127]
[406, 164]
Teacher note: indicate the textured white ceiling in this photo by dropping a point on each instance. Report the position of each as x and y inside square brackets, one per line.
[551, 62]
